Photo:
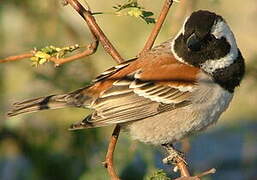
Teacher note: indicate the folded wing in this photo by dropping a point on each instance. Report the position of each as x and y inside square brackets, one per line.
[148, 90]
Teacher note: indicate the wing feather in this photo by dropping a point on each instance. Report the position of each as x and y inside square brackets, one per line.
[125, 102]
[141, 89]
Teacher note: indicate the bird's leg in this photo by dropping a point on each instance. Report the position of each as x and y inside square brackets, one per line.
[177, 159]
[108, 163]
[174, 155]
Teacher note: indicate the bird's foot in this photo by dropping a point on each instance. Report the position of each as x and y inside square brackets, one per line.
[174, 156]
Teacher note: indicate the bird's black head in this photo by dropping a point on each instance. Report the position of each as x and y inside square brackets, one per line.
[206, 41]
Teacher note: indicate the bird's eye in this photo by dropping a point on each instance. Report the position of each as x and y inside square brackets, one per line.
[194, 43]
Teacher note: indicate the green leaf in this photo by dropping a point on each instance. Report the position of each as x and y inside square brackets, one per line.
[158, 175]
[128, 4]
[132, 8]
[149, 20]
[147, 13]
[43, 55]
[135, 12]
[146, 16]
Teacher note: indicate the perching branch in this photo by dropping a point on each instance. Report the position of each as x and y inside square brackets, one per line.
[108, 163]
[182, 166]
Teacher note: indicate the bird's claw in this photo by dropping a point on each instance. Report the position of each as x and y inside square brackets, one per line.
[174, 158]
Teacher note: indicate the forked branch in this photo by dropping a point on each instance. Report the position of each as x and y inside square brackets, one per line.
[97, 33]
[96, 30]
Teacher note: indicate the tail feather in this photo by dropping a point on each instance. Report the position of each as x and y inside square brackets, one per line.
[42, 103]
[74, 99]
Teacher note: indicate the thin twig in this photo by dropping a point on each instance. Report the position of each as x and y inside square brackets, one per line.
[211, 171]
[208, 172]
[93, 26]
[157, 27]
[17, 57]
[188, 178]
[109, 156]
[91, 49]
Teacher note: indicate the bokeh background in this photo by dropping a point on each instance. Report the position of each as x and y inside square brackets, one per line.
[38, 146]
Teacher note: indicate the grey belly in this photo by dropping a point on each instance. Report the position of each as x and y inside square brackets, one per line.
[168, 127]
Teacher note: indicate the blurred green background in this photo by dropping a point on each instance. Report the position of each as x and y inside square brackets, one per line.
[38, 146]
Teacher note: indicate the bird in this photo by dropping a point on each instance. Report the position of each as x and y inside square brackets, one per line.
[174, 90]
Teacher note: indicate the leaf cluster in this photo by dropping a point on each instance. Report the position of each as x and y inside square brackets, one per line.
[159, 175]
[132, 8]
[43, 55]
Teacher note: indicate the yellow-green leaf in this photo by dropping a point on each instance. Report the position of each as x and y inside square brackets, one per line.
[41, 54]
[135, 12]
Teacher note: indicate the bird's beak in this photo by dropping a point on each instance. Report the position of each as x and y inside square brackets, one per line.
[193, 43]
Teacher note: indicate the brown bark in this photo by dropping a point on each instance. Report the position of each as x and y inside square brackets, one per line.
[109, 156]
[17, 57]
